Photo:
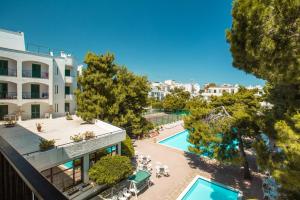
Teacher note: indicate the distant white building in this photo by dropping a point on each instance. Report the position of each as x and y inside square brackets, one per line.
[160, 89]
[34, 84]
[218, 90]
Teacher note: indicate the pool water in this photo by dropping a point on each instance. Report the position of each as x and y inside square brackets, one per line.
[69, 164]
[207, 190]
[180, 141]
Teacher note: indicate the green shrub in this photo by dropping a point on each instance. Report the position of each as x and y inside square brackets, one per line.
[88, 135]
[46, 144]
[76, 138]
[111, 170]
[127, 148]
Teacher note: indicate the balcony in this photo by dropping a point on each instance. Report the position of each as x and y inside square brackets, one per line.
[35, 95]
[8, 95]
[8, 72]
[30, 74]
[69, 79]
[69, 97]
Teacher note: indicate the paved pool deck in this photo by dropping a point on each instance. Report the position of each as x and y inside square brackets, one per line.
[184, 167]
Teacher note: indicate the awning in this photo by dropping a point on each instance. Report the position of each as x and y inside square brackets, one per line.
[139, 177]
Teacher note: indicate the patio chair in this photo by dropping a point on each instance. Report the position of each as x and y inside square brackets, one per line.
[121, 197]
[166, 170]
[148, 158]
[114, 198]
[126, 193]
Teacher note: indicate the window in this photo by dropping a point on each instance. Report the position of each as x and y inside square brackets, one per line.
[3, 67]
[56, 107]
[67, 90]
[56, 89]
[67, 72]
[56, 70]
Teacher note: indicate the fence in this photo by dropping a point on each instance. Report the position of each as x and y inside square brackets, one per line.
[165, 119]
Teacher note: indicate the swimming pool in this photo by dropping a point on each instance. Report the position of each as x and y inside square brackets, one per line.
[180, 141]
[177, 141]
[205, 189]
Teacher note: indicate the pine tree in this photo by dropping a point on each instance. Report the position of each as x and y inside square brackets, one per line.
[111, 93]
[265, 41]
[218, 129]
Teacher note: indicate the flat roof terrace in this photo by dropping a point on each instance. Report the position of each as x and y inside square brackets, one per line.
[25, 138]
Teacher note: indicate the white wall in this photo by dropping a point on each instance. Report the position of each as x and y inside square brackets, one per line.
[12, 40]
[44, 160]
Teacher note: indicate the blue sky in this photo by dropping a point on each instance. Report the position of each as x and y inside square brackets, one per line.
[182, 40]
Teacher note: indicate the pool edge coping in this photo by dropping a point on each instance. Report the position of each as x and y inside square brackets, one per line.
[185, 191]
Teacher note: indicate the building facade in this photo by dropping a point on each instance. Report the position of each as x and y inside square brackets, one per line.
[32, 84]
[160, 89]
[215, 90]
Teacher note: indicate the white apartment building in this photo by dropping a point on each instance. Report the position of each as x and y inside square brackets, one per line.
[34, 85]
[215, 90]
[160, 89]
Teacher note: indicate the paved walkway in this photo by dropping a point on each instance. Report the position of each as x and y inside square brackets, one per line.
[184, 167]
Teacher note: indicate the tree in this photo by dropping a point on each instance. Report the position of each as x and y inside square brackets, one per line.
[176, 100]
[127, 148]
[155, 103]
[218, 127]
[265, 41]
[111, 170]
[111, 93]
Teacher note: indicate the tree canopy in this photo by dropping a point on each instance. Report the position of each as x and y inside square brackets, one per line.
[176, 100]
[218, 128]
[112, 93]
[111, 169]
[265, 41]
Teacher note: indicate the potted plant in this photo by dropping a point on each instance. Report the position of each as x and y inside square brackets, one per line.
[46, 144]
[89, 135]
[68, 116]
[39, 127]
[77, 138]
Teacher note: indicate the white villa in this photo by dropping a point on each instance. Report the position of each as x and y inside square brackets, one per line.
[160, 89]
[215, 90]
[218, 90]
[34, 84]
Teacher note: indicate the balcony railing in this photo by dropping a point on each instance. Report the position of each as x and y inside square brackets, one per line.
[20, 180]
[8, 95]
[8, 72]
[33, 95]
[28, 74]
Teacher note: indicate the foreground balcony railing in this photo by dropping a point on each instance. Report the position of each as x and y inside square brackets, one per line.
[20, 180]
[8, 72]
[30, 74]
[8, 95]
[34, 95]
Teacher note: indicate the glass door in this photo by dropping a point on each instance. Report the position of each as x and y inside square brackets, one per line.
[3, 111]
[3, 90]
[36, 70]
[35, 91]
[67, 107]
[3, 67]
[35, 111]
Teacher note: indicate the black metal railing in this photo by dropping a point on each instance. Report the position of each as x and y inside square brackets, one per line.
[35, 95]
[20, 180]
[8, 72]
[28, 74]
[8, 95]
